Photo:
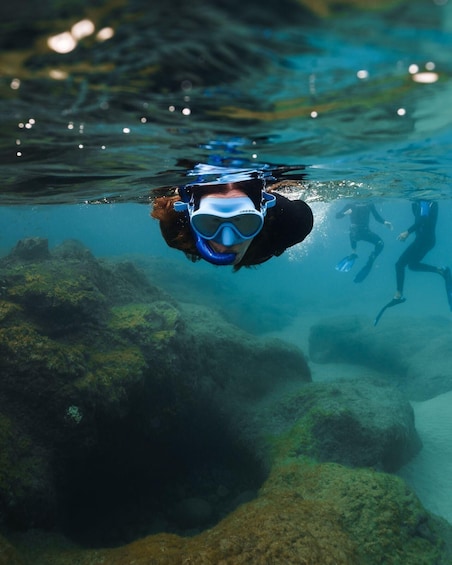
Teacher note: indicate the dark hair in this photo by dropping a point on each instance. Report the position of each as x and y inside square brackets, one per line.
[174, 226]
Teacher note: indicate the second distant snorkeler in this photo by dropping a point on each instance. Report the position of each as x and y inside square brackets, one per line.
[235, 220]
[424, 228]
[359, 214]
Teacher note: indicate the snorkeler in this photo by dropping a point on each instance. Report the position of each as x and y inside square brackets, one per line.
[235, 220]
[424, 227]
[359, 231]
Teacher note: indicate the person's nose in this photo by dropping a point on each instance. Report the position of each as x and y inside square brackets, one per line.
[223, 248]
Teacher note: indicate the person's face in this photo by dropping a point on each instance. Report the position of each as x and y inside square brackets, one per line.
[241, 248]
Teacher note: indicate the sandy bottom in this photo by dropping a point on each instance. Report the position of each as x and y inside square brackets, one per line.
[430, 472]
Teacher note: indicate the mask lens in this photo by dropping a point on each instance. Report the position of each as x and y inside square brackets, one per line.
[247, 224]
[208, 225]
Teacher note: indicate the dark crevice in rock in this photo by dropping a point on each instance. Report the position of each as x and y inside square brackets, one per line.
[135, 483]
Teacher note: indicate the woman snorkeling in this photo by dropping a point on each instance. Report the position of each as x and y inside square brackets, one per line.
[236, 220]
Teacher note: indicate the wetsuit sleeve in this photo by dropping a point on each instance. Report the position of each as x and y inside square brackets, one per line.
[291, 222]
[341, 213]
[434, 211]
[422, 221]
[286, 224]
[375, 214]
[417, 218]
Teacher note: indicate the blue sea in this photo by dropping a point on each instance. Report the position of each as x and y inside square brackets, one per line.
[355, 99]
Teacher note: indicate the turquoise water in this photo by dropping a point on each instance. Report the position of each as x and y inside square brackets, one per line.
[359, 102]
[336, 96]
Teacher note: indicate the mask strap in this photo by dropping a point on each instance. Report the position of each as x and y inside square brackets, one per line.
[186, 201]
[268, 201]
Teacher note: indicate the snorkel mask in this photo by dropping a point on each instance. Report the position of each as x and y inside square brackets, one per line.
[228, 221]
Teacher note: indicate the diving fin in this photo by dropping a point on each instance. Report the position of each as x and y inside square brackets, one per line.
[362, 274]
[448, 280]
[346, 263]
[390, 304]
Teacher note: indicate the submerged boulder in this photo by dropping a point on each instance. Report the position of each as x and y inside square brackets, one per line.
[27, 482]
[8, 554]
[238, 363]
[97, 363]
[142, 416]
[306, 513]
[351, 422]
[355, 423]
[31, 249]
[413, 353]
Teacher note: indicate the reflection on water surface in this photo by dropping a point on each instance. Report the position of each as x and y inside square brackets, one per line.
[131, 93]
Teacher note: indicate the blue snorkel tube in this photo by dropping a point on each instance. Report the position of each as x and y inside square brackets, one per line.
[202, 245]
[210, 255]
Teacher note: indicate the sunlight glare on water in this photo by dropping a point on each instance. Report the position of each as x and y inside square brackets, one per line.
[360, 100]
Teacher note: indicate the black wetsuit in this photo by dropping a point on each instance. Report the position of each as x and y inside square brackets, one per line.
[425, 218]
[359, 231]
[286, 224]
[359, 225]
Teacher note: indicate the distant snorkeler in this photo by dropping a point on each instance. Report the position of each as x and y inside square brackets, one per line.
[235, 220]
[359, 214]
[424, 227]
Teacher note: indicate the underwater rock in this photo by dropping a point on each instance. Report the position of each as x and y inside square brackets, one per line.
[351, 339]
[355, 423]
[209, 288]
[65, 371]
[239, 365]
[132, 285]
[27, 486]
[58, 295]
[160, 404]
[71, 291]
[115, 379]
[8, 554]
[414, 354]
[72, 249]
[31, 249]
[192, 513]
[306, 513]
[146, 406]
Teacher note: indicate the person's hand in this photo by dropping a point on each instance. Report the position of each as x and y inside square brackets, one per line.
[347, 212]
[389, 225]
[402, 236]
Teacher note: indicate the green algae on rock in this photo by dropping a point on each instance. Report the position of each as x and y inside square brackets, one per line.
[356, 423]
[142, 390]
[106, 375]
[150, 323]
[306, 513]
